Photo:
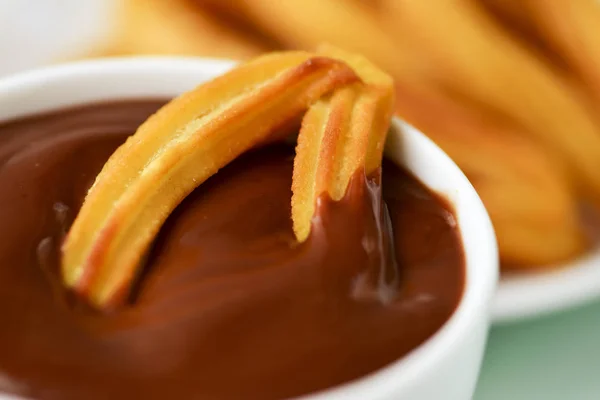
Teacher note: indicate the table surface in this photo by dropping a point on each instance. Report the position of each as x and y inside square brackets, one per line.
[555, 357]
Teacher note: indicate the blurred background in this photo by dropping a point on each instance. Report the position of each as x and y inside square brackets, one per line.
[509, 88]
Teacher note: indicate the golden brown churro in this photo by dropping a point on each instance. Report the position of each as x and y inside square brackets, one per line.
[173, 152]
[340, 135]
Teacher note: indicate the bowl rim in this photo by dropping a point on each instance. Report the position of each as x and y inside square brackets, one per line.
[480, 247]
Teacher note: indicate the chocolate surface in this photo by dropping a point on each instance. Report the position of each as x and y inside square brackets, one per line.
[229, 306]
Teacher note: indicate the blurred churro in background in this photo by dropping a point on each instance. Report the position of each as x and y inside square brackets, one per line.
[533, 207]
[509, 88]
[178, 28]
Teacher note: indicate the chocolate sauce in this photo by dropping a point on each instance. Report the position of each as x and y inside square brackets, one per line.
[229, 305]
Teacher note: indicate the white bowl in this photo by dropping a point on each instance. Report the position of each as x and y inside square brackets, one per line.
[447, 365]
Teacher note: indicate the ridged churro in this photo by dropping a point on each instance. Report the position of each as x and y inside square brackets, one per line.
[173, 152]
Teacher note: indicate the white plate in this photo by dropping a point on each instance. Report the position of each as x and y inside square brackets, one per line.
[534, 294]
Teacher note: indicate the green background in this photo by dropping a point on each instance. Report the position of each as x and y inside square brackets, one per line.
[554, 357]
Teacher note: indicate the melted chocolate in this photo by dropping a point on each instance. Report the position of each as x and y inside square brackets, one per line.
[229, 305]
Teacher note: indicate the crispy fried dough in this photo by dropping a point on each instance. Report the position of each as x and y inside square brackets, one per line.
[467, 53]
[567, 28]
[304, 24]
[173, 152]
[339, 136]
[161, 27]
[531, 203]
